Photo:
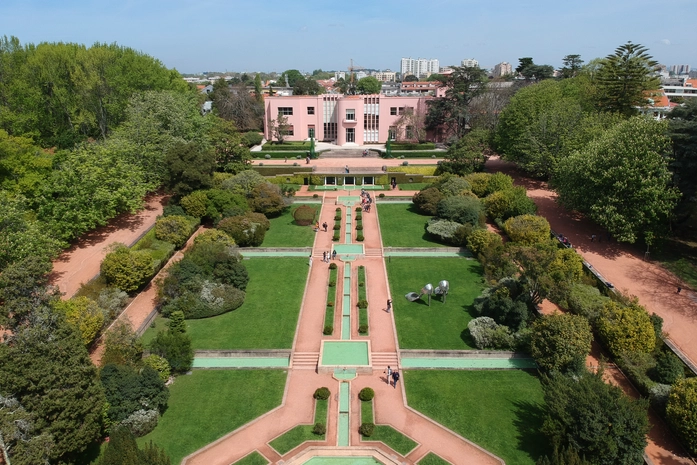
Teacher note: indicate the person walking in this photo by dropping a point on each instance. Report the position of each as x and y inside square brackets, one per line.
[310, 263]
[334, 255]
[395, 378]
[324, 225]
[329, 255]
[324, 256]
[389, 305]
[389, 374]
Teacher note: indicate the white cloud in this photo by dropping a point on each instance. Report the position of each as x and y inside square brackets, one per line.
[665, 41]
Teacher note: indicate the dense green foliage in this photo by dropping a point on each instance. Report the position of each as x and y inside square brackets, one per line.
[64, 93]
[84, 315]
[128, 390]
[45, 354]
[208, 281]
[247, 230]
[597, 419]
[626, 329]
[174, 229]
[621, 180]
[558, 341]
[527, 229]
[126, 268]
[681, 412]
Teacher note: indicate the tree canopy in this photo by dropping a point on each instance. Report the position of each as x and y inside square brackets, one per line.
[621, 180]
[624, 77]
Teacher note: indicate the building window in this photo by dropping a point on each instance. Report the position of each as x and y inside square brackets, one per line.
[285, 111]
[410, 132]
[310, 110]
[350, 135]
[310, 132]
[393, 111]
[368, 181]
[349, 181]
[351, 115]
[330, 181]
[392, 133]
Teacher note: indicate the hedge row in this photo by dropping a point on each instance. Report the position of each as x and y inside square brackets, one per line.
[286, 147]
[415, 154]
[413, 146]
[331, 301]
[273, 170]
[426, 170]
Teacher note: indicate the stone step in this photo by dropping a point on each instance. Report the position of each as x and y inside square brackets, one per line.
[385, 358]
[305, 360]
[373, 252]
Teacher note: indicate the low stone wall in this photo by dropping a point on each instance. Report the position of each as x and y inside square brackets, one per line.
[242, 353]
[473, 354]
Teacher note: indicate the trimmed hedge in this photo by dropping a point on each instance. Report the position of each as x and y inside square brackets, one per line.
[413, 146]
[416, 154]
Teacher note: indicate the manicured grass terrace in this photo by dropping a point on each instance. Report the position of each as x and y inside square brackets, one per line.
[269, 315]
[301, 433]
[498, 410]
[440, 326]
[208, 404]
[385, 433]
[401, 226]
[285, 233]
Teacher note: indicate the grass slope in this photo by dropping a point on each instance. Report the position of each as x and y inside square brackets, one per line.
[208, 404]
[499, 410]
[268, 317]
[301, 433]
[440, 326]
[401, 226]
[285, 233]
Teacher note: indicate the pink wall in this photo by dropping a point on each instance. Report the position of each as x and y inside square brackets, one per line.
[301, 121]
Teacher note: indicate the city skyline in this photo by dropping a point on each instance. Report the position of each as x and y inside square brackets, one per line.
[212, 35]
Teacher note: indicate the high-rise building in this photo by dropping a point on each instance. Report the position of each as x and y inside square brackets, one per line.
[680, 69]
[385, 76]
[502, 69]
[470, 63]
[418, 67]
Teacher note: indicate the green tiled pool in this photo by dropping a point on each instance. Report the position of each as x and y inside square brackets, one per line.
[344, 353]
[342, 461]
[344, 249]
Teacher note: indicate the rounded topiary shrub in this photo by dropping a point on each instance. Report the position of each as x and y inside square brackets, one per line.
[366, 429]
[337, 227]
[337, 217]
[359, 216]
[359, 209]
[267, 156]
[304, 215]
[319, 429]
[315, 196]
[359, 227]
[330, 304]
[382, 196]
[335, 237]
[366, 394]
[332, 266]
[338, 209]
[362, 303]
[173, 229]
[360, 238]
[247, 230]
[328, 330]
[363, 329]
[322, 393]
[332, 283]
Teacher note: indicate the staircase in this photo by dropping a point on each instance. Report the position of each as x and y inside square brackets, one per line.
[305, 360]
[373, 253]
[348, 153]
[382, 359]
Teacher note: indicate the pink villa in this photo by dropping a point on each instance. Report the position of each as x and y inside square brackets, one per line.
[342, 119]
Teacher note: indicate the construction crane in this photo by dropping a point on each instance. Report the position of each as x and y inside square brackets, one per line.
[351, 89]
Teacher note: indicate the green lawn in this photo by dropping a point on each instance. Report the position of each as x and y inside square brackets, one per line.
[269, 315]
[285, 233]
[385, 433]
[413, 186]
[301, 433]
[401, 226]
[255, 458]
[208, 404]
[432, 459]
[498, 410]
[440, 326]
[680, 257]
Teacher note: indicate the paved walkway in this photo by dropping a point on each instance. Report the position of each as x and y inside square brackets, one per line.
[390, 403]
[80, 263]
[623, 265]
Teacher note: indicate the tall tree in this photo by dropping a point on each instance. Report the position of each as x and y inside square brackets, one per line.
[45, 354]
[532, 72]
[368, 85]
[682, 129]
[189, 168]
[624, 77]
[289, 77]
[258, 94]
[235, 104]
[572, 65]
[19, 442]
[452, 111]
[621, 180]
[308, 86]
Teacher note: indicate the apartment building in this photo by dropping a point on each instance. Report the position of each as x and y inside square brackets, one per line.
[420, 67]
[470, 63]
[502, 69]
[341, 119]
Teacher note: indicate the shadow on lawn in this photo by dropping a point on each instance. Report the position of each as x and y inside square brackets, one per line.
[528, 422]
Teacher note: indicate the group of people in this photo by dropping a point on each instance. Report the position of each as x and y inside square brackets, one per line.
[392, 376]
[366, 201]
[327, 256]
[324, 226]
[564, 240]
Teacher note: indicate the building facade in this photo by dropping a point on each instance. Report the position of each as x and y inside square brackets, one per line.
[342, 119]
[502, 69]
[688, 89]
[470, 63]
[420, 67]
[680, 69]
[385, 76]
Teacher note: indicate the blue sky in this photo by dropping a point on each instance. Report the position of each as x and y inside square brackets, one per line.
[248, 35]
